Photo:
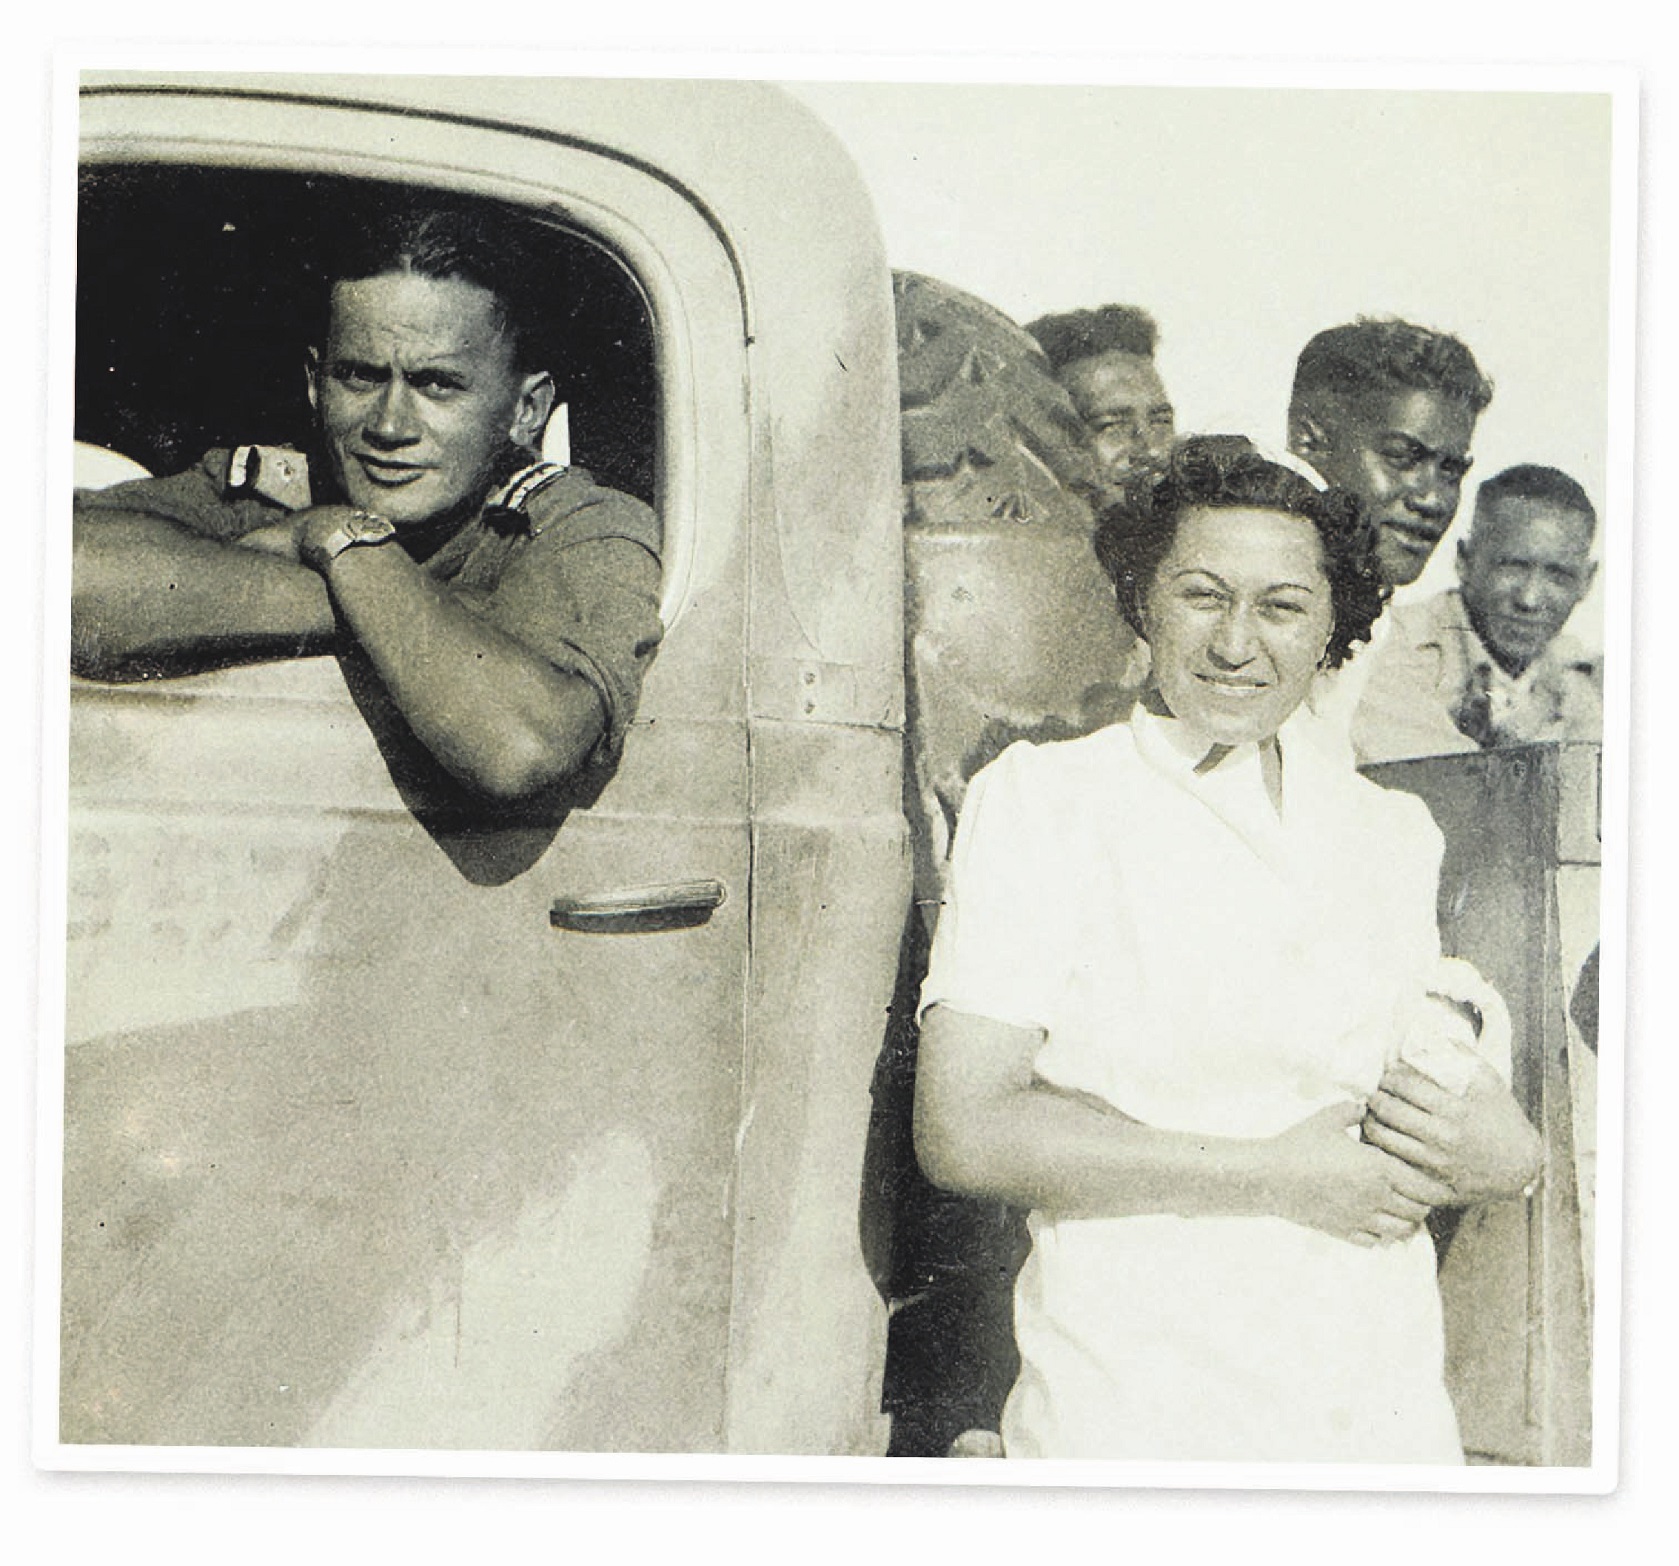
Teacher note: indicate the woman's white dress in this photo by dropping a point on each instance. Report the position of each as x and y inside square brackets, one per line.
[1205, 964]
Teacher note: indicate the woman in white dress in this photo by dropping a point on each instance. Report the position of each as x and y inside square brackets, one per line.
[1175, 974]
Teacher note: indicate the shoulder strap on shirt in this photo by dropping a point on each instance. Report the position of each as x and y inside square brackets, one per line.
[550, 494]
[518, 492]
[275, 473]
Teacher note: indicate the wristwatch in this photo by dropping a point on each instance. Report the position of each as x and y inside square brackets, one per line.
[357, 527]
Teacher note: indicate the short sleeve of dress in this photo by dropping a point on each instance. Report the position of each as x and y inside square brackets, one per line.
[1438, 1040]
[1404, 879]
[996, 951]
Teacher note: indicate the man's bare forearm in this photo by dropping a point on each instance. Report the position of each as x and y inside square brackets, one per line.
[148, 597]
[496, 714]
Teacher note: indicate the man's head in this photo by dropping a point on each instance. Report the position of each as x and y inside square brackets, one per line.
[1105, 359]
[1387, 410]
[427, 384]
[1526, 563]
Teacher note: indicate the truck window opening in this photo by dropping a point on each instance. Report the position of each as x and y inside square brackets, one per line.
[196, 298]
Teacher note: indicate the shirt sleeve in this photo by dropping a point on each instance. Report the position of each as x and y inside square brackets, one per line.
[1405, 706]
[196, 500]
[995, 952]
[585, 595]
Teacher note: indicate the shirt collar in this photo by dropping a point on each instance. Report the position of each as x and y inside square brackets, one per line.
[1171, 746]
[1232, 788]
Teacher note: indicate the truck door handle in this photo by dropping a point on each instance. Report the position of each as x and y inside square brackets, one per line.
[639, 909]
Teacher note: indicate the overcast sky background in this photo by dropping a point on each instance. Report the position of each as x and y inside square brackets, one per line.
[1246, 220]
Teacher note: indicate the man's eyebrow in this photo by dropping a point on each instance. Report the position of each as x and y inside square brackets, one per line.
[1402, 438]
[1419, 448]
[442, 368]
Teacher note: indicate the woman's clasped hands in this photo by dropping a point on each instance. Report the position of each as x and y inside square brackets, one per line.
[1324, 1177]
[1477, 1141]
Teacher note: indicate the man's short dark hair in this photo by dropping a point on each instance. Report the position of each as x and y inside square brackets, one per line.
[443, 237]
[1530, 481]
[1346, 363]
[1082, 334]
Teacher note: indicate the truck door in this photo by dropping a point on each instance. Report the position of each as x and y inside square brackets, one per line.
[387, 1124]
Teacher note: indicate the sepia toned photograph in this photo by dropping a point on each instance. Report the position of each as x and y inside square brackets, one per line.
[841, 770]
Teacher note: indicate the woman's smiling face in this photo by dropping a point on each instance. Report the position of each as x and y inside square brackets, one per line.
[1237, 620]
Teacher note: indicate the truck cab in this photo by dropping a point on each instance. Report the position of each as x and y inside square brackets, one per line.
[392, 1123]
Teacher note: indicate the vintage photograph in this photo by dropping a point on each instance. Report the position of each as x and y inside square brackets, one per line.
[865, 771]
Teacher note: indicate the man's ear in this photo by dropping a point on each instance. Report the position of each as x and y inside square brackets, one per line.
[1308, 436]
[312, 371]
[1465, 556]
[530, 413]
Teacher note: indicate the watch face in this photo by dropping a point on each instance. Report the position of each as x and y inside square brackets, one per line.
[366, 528]
[354, 527]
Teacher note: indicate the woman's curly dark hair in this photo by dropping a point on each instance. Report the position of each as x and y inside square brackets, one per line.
[1135, 533]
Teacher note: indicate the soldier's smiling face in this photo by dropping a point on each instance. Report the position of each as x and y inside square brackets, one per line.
[420, 397]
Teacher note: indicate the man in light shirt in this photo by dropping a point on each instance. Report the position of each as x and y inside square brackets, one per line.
[1490, 657]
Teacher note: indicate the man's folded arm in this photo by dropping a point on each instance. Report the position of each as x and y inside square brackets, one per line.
[500, 716]
[508, 708]
[151, 597]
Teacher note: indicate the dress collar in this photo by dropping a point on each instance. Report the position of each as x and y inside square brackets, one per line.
[1171, 746]
[1314, 783]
